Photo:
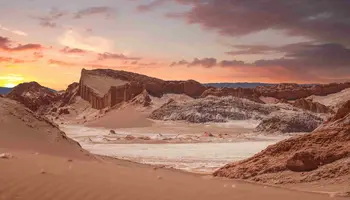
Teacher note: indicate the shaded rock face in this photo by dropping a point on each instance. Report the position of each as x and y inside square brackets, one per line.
[33, 95]
[303, 161]
[64, 111]
[68, 96]
[106, 88]
[289, 123]
[281, 91]
[319, 150]
[311, 106]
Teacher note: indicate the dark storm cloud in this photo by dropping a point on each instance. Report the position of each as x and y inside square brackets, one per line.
[328, 55]
[322, 20]
[301, 55]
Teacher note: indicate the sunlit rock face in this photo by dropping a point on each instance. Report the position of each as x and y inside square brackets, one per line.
[106, 88]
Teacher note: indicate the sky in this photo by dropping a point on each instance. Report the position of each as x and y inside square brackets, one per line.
[273, 41]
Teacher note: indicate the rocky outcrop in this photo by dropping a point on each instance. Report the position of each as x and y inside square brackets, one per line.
[246, 93]
[318, 151]
[282, 118]
[291, 122]
[33, 95]
[69, 94]
[212, 109]
[311, 106]
[142, 99]
[106, 88]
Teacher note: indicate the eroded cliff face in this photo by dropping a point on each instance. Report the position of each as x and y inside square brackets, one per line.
[106, 88]
[285, 91]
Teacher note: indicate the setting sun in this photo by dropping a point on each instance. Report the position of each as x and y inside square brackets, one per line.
[10, 80]
[9, 85]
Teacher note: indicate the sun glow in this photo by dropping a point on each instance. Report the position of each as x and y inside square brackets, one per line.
[9, 85]
[10, 80]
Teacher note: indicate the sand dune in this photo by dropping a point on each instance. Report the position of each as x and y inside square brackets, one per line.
[126, 117]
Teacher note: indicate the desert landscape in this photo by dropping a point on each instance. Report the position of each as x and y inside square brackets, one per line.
[117, 129]
[174, 99]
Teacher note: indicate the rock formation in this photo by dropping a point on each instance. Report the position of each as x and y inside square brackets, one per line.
[142, 99]
[285, 91]
[33, 95]
[106, 88]
[291, 122]
[321, 154]
[311, 106]
[246, 93]
[68, 96]
[223, 109]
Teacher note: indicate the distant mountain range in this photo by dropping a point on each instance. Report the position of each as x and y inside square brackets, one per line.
[4, 90]
[238, 85]
[243, 85]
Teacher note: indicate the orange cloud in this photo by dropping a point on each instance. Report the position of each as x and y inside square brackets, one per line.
[6, 45]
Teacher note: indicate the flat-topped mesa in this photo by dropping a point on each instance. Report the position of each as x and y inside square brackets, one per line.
[106, 88]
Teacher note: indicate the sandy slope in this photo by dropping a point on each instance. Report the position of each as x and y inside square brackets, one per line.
[28, 176]
[335, 100]
[122, 118]
[21, 129]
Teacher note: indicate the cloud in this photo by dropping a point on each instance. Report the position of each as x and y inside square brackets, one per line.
[266, 49]
[68, 50]
[6, 45]
[61, 63]
[150, 6]
[26, 47]
[115, 56]
[230, 63]
[329, 56]
[181, 62]
[321, 20]
[16, 32]
[204, 62]
[38, 55]
[148, 64]
[104, 10]
[85, 41]
[301, 55]
[49, 20]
